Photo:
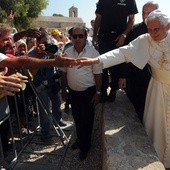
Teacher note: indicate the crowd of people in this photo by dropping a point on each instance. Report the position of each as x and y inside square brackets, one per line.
[20, 62]
[134, 56]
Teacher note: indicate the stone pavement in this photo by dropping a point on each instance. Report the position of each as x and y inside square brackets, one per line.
[125, 143]
[119, 143]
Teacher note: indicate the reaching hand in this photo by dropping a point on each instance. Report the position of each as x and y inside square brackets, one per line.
[34, 33]
[11, 84]
[10, 17]
[64, 61]
[84, 61]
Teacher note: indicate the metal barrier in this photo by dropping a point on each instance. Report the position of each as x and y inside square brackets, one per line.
[17, 140]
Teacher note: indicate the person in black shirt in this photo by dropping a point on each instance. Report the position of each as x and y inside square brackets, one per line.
[114, 20]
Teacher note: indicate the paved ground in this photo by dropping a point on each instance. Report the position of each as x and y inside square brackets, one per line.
[54, 155]
[38, 156]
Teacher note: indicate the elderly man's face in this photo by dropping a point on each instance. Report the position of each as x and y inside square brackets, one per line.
[79, 38]
[6, 42]
[156, 30]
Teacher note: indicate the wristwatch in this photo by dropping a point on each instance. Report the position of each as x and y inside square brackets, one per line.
[98, 92]
[124, 35]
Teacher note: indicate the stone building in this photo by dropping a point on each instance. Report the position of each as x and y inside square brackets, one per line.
[61, 23]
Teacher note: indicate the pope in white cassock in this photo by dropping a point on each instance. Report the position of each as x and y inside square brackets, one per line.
[153, 48]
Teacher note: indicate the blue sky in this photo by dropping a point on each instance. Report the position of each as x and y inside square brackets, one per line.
[86, 8]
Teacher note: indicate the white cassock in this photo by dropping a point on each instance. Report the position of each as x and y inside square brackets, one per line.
[157, 106]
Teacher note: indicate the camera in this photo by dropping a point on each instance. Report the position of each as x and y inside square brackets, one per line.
[51, 48]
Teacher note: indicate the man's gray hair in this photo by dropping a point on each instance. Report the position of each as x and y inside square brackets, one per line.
[157, 14]
[152, 3]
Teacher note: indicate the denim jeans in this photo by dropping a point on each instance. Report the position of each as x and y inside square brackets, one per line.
[49, 96]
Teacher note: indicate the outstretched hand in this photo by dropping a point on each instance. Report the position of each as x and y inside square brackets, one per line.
[10, 17]
[85, 61]
[64, 61]
[34, 33]
[12, 83]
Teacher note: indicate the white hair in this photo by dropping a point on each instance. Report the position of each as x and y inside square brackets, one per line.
[157, 14]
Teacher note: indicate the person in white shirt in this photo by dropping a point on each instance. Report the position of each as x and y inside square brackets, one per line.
[84, 87]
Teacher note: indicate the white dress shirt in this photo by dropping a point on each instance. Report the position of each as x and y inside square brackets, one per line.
[79, 79]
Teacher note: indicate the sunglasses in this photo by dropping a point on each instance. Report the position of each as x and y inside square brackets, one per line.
[75, 36]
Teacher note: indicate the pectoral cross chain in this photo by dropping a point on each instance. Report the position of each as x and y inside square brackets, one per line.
[162, 61]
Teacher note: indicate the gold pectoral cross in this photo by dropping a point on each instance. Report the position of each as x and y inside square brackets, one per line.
[162, 61]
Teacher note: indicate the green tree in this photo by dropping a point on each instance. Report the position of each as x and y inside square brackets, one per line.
[25, 11]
